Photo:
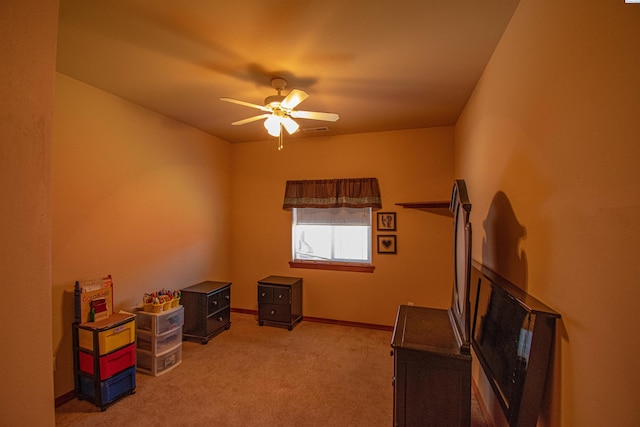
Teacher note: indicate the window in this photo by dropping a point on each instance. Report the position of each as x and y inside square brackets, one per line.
[334, 235]
[332, 222]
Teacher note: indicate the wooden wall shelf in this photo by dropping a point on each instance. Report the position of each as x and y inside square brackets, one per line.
[440, 207]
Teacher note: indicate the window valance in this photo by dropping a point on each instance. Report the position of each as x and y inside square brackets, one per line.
[333, 193]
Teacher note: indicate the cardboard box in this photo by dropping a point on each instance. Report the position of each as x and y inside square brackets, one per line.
[96, 290]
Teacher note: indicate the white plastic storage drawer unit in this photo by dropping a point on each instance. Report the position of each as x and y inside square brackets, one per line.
[159, 340]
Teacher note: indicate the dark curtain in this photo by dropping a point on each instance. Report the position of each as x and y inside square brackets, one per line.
[333, 193]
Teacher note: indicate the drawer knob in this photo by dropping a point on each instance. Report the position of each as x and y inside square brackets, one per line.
[273, 312]
[226, 297]
[220, 319]
[214, 302]
[263, 294]
[280, 296]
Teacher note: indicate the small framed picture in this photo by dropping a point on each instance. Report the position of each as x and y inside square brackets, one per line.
[387, 244]
[387, 221]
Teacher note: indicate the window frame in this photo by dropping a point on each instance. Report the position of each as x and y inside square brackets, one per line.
[365, 267]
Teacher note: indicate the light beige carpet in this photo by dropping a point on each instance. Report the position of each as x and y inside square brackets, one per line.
[315, 375]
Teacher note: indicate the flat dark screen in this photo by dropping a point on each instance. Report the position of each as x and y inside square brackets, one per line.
[502, 340]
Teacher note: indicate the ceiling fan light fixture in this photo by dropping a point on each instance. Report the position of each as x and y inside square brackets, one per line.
[272, 124]
[290, 125]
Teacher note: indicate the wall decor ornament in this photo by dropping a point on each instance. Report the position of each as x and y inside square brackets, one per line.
[387, 244]
[386, 221]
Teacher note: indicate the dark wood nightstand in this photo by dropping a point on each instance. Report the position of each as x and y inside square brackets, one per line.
[280, 301]
[207, 310]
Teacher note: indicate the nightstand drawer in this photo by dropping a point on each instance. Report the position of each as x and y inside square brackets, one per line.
[274, 312]
[224, 297]
[218, 321]
[265, 294]
[282, 295]
[213, 303]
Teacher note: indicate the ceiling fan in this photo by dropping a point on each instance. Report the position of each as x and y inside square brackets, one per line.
[279, 110]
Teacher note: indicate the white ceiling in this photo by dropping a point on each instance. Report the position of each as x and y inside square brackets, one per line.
[381, 65]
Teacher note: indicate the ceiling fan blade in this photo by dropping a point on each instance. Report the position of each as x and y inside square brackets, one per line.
[246, 104]
[314, 115]
[294, 98]
[251, 119]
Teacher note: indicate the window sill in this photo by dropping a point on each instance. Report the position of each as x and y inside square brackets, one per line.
[338, 266]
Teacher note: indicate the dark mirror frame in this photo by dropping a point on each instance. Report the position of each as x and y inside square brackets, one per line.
[460, 304]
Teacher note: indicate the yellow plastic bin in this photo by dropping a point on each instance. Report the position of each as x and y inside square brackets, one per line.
[114, 332]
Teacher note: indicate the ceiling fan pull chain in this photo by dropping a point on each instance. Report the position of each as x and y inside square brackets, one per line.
[280, 143]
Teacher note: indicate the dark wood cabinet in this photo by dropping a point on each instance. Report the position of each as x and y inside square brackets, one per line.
[432, 376]
[430, 346]
[207, 310]
[280, 301]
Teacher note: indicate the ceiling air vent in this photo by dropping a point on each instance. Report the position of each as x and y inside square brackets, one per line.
[316, 130]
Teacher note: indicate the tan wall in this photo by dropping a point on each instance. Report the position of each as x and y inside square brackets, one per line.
[136, 195]
[549, 147]
[412, 165]
[27, 48]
